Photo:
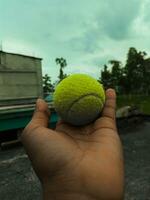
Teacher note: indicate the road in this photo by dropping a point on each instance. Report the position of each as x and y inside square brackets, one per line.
[19, 182]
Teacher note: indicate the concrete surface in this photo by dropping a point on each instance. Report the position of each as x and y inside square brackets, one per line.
[19, 182]
[17, 178]
[136, 143]
[20, 78]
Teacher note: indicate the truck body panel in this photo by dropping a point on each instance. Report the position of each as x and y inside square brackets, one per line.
[17, 117]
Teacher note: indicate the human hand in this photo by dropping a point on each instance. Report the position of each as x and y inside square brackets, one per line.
[84, 163]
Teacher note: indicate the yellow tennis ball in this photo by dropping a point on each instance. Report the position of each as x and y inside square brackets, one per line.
[79, 99]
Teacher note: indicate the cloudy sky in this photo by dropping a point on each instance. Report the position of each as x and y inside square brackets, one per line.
[87, 33]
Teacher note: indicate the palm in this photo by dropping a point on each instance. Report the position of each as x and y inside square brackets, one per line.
[72, 157]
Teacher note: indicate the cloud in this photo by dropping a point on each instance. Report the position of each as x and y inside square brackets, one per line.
[86, 33]
[116, 17]
[114, 20]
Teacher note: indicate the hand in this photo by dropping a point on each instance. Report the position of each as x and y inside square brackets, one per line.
[84, 163]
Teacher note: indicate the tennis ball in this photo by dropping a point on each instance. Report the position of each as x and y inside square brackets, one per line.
[79, 99]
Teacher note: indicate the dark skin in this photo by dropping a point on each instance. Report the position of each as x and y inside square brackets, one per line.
[84, 163]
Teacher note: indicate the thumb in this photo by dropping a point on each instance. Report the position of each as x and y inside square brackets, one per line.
[41, 114]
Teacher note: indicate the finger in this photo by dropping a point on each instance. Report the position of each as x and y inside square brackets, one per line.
[41, 114]
[110, 105]
[105, 123]
[107, 119]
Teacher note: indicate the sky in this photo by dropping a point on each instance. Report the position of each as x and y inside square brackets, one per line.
[87, 33]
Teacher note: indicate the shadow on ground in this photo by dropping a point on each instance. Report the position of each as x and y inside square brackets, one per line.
[19, 182]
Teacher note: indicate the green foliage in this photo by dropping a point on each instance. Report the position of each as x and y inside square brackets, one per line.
[112, 78]
[62, 62]
[106, 77]
[133, 78]
[140, 101]
[136, 72]
[47, 85]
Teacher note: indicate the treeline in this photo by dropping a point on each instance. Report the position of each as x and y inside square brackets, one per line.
[132, 78]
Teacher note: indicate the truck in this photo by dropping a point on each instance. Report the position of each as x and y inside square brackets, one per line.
[20, 87]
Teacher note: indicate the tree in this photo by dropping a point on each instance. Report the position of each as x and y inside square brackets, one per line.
[146, 76]
[47, 85]
[133, 78]
[106, 77]
[116, 74]
[62, 62]
[135, 71]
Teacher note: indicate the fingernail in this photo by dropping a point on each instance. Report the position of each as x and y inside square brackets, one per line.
[39, 100]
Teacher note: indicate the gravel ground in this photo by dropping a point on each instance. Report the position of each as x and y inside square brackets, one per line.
[19, 182]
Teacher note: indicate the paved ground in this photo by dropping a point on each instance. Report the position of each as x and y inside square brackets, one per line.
[136, 143]
[18, 181]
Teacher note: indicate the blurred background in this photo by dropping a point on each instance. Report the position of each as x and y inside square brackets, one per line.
[43, 42]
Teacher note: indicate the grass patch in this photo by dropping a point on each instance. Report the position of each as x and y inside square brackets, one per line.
[142, 102]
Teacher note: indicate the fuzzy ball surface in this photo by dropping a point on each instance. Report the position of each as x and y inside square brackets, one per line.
[79, 99]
